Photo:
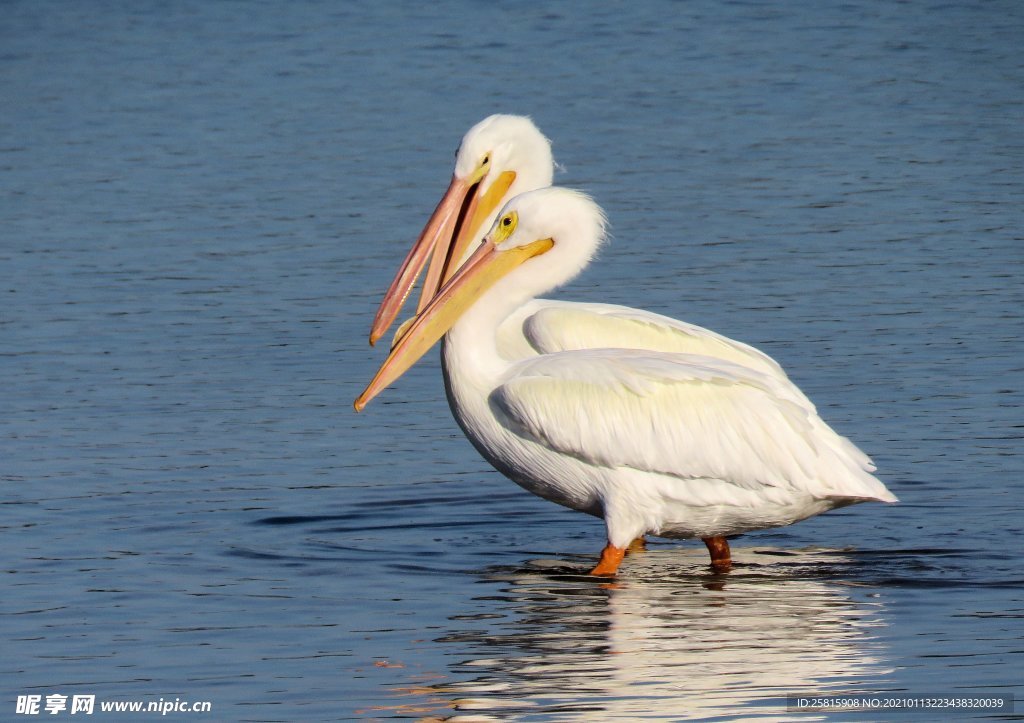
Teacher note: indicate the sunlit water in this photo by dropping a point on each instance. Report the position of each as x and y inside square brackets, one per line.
[201, 204]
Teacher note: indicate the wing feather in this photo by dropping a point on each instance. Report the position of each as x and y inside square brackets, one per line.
[553, 326]
[682, 415]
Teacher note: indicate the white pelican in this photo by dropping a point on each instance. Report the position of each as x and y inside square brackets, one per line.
[664, 443]
[500, 157]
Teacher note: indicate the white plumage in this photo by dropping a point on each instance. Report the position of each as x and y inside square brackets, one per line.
[668, 443]
[499, 158]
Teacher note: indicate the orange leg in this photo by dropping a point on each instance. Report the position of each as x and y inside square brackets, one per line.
[721, 560]
[637, 545]
[611, 558]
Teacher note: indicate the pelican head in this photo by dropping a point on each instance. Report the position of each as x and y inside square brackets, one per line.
[540, 240]
[499, 157]
[504, 144]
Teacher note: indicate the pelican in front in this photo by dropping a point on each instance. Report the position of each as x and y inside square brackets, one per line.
[671, 444]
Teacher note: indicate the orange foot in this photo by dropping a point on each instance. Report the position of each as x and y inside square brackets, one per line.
[721, 559]
[611, 558]
[637, 545]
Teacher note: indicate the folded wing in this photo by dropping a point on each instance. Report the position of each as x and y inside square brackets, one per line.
[683, 415]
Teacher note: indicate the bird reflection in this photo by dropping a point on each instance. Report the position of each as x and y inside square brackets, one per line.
[668, 640]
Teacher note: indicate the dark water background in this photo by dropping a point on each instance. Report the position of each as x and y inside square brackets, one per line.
[200, 204]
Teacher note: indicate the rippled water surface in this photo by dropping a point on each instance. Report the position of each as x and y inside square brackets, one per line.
[201, 204]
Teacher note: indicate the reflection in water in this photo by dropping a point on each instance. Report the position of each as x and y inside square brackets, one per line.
[668, 640]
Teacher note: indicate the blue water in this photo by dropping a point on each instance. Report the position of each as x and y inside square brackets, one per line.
[200, 205]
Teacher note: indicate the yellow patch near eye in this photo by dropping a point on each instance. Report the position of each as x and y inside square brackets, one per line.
[481, 169]
[505, 226]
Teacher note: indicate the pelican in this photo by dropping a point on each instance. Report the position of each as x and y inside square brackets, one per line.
[499, 158]
[671, 444]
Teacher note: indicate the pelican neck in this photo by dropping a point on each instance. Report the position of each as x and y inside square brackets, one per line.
[471, 345]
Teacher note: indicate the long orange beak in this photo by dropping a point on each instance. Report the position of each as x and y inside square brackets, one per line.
[480, 272]
[440, 226]
[445, 238]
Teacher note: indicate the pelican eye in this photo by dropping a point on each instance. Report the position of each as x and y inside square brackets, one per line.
[506, 225]
[482, 169]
